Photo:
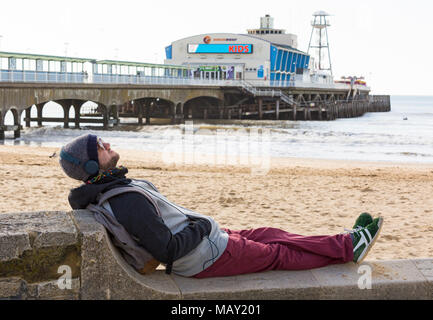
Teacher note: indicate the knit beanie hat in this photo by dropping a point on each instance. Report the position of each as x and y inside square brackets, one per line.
[83, 149]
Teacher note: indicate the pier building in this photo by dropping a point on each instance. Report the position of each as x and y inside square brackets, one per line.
[263, 56]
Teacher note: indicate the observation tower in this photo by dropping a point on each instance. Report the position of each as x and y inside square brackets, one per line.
[319, 42]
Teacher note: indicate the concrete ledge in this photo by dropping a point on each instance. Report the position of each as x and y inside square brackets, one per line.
[400, 279]
[106, 275]
[99, 271]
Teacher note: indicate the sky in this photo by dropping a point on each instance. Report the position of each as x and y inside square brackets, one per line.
[387, 42]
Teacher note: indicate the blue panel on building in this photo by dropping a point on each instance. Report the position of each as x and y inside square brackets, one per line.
[284, 61]
[302, 61]
[279, 56]
[307, 62]
[298, 61]
[283, 77]
[278, 76]
[169, 52]
[289, 61]
[260, 72]
[221, 48]
[273, 58]
[293, 66]
[288, 78]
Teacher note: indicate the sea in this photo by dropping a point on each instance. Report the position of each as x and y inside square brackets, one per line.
[403, 135]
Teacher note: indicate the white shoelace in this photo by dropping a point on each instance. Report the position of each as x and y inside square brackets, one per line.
[359, 228]
[348, 231]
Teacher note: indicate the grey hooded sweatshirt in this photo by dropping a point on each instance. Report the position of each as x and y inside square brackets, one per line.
[178, 219]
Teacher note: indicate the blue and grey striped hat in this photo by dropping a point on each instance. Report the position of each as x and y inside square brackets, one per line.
[78, 152]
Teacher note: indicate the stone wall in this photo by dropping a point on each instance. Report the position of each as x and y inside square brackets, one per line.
[59, 255]
[40, 250]
[33, 246]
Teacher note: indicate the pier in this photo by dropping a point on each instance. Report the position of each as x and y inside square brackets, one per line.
[166, 93]
[260, 75]
[177, 103]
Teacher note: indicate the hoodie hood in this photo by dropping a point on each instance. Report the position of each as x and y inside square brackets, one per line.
[79, 198]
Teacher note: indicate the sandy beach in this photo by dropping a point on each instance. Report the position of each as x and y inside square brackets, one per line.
[303, 196]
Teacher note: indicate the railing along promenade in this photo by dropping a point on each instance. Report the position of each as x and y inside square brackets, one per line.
[26, 76]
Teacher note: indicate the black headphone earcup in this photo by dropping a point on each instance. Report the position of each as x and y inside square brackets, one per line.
[91, 167]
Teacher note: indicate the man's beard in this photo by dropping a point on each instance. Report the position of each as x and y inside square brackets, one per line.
[113, 161]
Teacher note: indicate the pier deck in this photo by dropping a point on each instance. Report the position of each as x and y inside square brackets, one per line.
[178, 103]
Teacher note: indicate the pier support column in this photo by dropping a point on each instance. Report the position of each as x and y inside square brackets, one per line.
[190, 112]
[277, 109]
[205, 112]
[39, 108]
[181, 105]
[173, 114]
[240, 113]
[294, 113]
[229, 114]
[260, 109]
[329, 112]
[77, 108]
[147, 108]
[114, 111]
[139, 106]
[66, 106]
[181, 116]
[106, 116]
[17, 132]
[17, 123]
[28, 115]
[66, 118]
[320, 113]
[2, 132]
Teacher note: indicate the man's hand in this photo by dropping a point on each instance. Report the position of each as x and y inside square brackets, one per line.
[150, 267]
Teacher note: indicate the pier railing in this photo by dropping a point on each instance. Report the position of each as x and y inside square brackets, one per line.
[267, 93]
[380, 99]
[42, 76]
[98, 78]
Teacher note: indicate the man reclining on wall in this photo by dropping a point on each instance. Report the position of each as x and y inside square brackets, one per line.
[149, 229]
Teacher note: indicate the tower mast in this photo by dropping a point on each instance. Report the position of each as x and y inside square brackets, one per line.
[320, 24]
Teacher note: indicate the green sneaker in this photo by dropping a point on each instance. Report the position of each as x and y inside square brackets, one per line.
[364, 239]
[363, 220]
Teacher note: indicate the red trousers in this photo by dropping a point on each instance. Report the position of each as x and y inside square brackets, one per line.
[257, 250]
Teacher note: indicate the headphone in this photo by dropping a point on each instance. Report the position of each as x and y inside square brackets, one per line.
[91, 167]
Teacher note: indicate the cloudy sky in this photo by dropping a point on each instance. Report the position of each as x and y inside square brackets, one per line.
[386, 41]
